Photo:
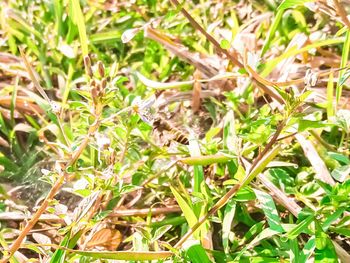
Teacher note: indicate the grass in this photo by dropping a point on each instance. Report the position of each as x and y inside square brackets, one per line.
[258, 88]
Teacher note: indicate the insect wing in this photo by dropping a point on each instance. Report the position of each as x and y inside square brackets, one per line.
[143, 108]
[146, 104]
[146, 116]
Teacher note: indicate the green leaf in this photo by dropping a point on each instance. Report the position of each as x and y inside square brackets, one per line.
[325, 251]
[8, 164]
[60, 254]
[271, 64]
[125, 255]
[321, 237]
[102, 37]
[174, 221]
[211, 133]
[254, 230]
[206, 160]
[160, 231]
[295, 251]
[307, 250]
[341, 173]
[332, 217]
[343, 63]
[186, 208]
[245, 194]
[260, 166]
[195, 152]
[281, 178]
[230, 210]
[225, 44]
[266, 233]
[270, 210]
[230, 138]
[307, 124]
[196, 252]
[345, 231]
[292, 3]
[344, 77]
[300, 228]
[272, 31]
[339, 157]
[330, 91]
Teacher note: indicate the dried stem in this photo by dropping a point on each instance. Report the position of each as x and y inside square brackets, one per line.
[54, 189]
[229, 55]
[342, 13]
[36, 83]
[223, 200]
[31, 223]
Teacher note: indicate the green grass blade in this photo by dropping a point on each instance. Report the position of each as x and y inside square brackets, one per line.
[330, 87]
[186, 208]
[206, 160]
[307, 250]
[292, 3]
[196, 252]
[332, 217]
[270, 210]
[272, 31]
[230, 138]
[261, 165]
[230, 210]
[266, 233]
[111, 35]
[271, 64]
[58, 8]
[78, 18]
[300, 228]
[344, 61]
[198, 169]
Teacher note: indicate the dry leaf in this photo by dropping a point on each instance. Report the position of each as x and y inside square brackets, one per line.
[23, 104]
[42, 239]
[108, 238]
[129, 34]
[197, 88]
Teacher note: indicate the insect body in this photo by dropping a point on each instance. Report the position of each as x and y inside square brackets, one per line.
[160, 124]
[143, 109]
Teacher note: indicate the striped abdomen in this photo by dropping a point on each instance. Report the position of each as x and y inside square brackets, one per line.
[179, 136]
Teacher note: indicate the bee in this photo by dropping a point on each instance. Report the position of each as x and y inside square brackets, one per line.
[160, 124]
[143, 109]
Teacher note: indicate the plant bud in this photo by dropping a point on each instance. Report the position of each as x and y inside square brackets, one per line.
[87, 64]
[94, 95]
[101, 69]
[103, 83]
[93, 83]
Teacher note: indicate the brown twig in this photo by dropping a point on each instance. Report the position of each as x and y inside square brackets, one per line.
[342, 13]
[198, 27]
[229, 55]
[15, 216]
[57, 185]
[55, 188]
[31, 223]
[223, 200]
[32, 75]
